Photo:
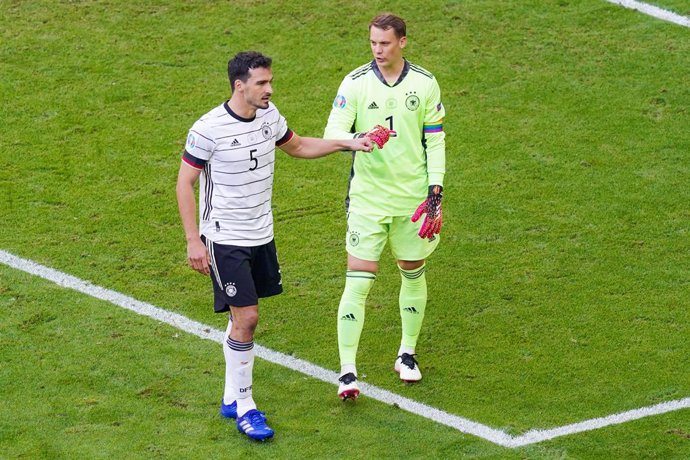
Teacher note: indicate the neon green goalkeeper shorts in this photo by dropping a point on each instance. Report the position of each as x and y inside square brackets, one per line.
[367, 236]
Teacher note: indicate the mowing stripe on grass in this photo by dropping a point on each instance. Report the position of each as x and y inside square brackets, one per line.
[654, 11]
[206, 332]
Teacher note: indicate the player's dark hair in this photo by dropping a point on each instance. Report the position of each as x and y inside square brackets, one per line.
[387, 21]
[239, 66]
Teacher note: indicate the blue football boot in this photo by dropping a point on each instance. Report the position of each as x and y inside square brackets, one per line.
[229, 410]
[253, 424]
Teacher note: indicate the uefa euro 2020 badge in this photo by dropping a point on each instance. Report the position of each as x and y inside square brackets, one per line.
[230, 289]
[339, 102]
[191, 142]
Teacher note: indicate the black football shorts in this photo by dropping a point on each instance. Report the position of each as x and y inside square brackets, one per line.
[242, 275]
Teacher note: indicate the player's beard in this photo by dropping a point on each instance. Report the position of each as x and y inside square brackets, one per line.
[260, 102]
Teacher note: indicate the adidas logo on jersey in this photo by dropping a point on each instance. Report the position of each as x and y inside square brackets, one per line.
[348, 317]
[411, 310]
[235, 143]
[373, 106]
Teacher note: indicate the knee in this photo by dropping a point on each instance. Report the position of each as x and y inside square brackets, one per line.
[244, 324]
[410, 264]
[360, 265]
[248, 321]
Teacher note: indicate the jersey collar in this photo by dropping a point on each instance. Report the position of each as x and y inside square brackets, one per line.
[235, 116]
[379, 75]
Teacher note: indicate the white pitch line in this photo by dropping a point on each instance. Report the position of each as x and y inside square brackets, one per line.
[207, 332]
[654, 11]
[535, 436]
[203, 331]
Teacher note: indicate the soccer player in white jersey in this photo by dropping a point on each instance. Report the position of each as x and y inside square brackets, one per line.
[386, 189]
[232, 150]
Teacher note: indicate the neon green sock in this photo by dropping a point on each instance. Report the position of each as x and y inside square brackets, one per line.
[412, 304]
[351, 314]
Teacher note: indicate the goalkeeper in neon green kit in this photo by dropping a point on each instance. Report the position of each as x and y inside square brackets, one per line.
[390, 189]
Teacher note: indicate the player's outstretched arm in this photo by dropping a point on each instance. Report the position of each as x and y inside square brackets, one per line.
[313, 147]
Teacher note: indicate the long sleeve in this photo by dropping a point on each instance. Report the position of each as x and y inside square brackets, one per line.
[343, 113]
[434, 137]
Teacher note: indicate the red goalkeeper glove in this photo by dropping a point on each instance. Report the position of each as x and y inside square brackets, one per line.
[379, 135]
[434, 214]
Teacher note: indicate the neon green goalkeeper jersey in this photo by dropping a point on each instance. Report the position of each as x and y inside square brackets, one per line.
[394, 180]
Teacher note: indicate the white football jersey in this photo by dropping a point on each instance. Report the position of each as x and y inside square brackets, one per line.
[237, 159]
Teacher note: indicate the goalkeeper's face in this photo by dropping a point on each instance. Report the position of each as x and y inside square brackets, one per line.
[386, 47]
[258, 90]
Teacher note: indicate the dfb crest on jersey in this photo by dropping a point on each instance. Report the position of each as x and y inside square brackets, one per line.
[412, 102]
[266, 131]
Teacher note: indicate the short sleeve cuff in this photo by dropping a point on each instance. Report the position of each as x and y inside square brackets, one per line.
[286, 138]
[194, 162]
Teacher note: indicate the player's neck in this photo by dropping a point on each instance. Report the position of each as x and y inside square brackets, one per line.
[392, 72]
[241, 108]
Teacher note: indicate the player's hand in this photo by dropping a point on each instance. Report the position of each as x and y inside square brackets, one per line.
[362, 144]
[434, 215]
[380, 135]
[197, 256]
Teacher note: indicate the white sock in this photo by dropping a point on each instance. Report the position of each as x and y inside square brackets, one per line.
[242, 363]
[404, 349]
[347, 368]
[229, 391]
